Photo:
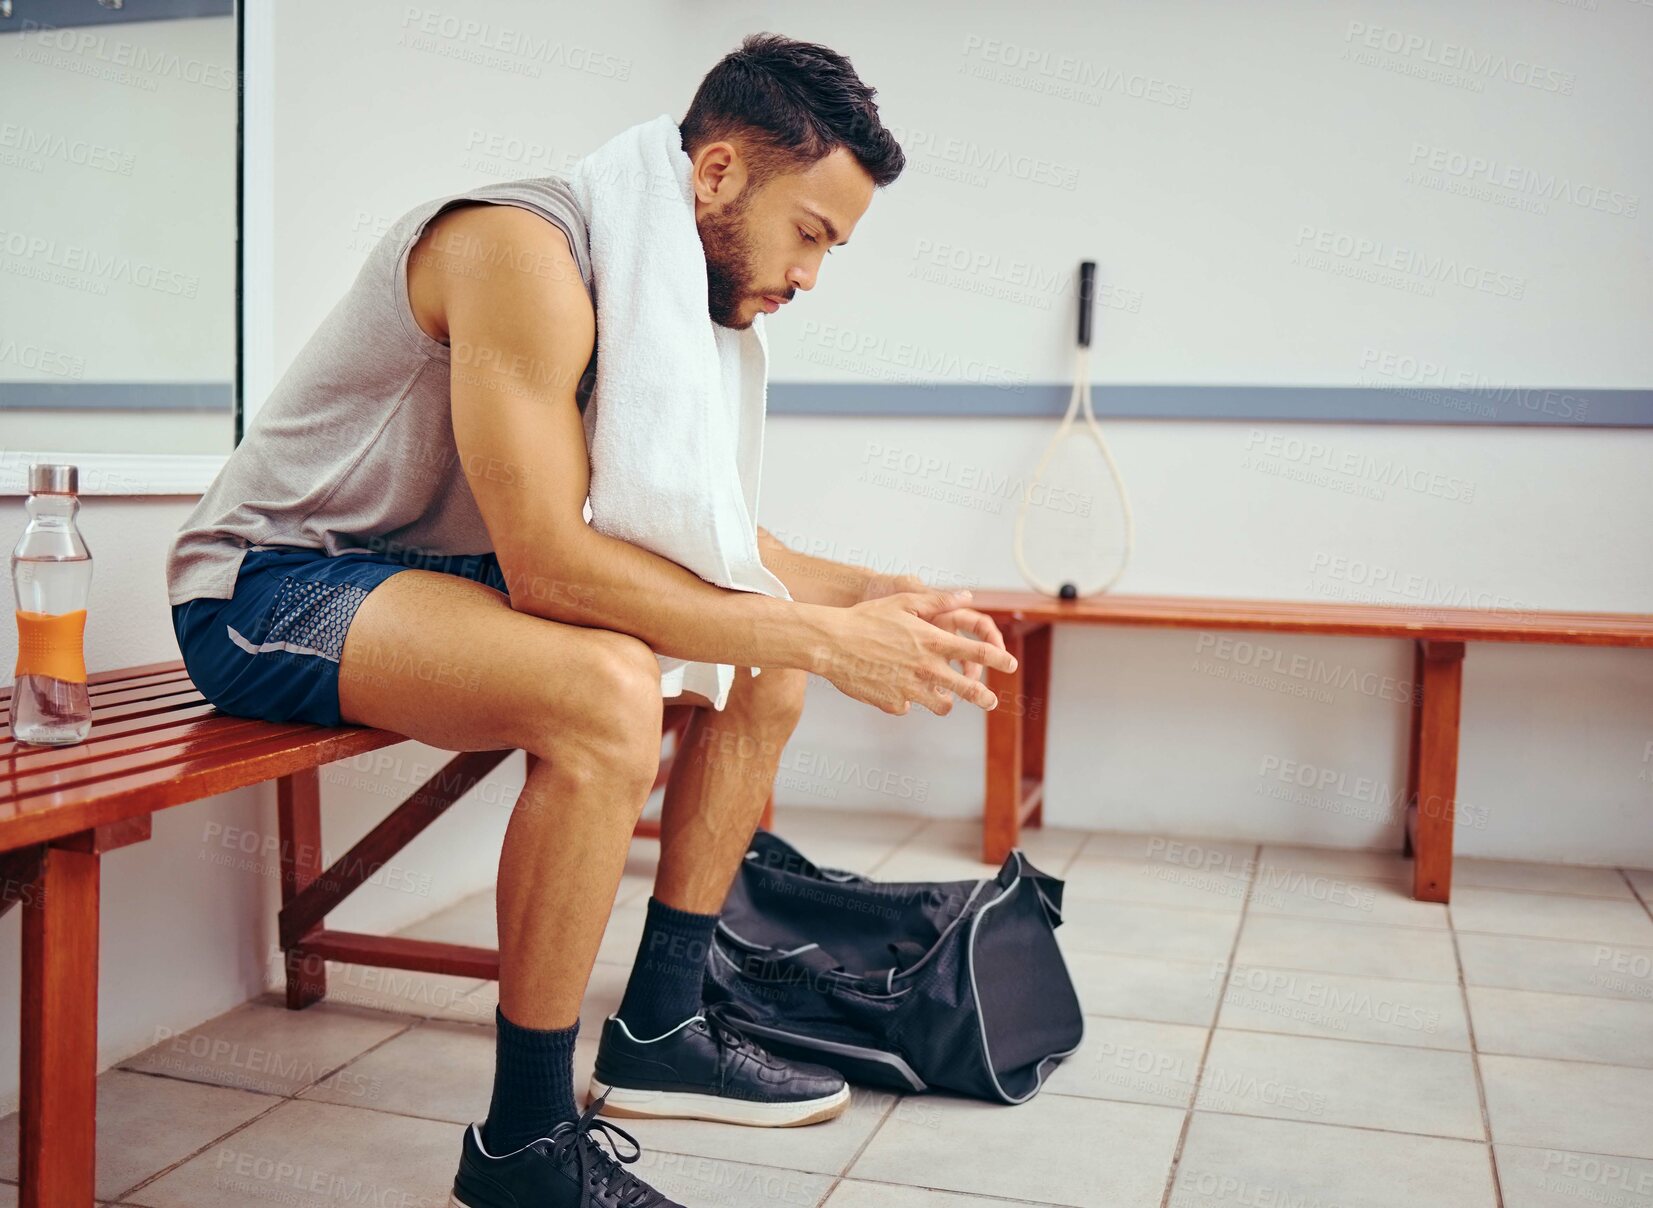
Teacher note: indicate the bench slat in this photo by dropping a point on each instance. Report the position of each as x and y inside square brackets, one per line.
[200, 734]
[135, 722]
[114, 694]
[221, 743]
[161, 678]
[287, 749]
[115, 675]
[1310, 616]
[124, 702]
[155, 708]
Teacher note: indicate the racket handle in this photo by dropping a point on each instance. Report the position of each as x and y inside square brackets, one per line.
[1087, 291]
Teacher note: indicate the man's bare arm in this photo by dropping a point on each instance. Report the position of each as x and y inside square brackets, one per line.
[503, 287]
[814, 580]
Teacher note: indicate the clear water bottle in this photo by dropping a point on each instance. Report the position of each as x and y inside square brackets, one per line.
[51, 572]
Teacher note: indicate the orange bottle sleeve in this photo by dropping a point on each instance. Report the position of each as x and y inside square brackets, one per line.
[51, 645]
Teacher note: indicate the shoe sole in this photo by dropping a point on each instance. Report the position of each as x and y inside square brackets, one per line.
[686, 1105]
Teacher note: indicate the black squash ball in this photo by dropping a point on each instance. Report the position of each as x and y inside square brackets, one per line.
[1069, 592]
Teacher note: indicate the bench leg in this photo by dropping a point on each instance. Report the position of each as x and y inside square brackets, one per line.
[1432, 813]
[1036, 684]
[1416, 726]
[1001, 823]
[1016, 742]
[57, 1132]
[298, 809]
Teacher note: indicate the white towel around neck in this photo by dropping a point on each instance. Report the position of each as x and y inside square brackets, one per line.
[674, 425]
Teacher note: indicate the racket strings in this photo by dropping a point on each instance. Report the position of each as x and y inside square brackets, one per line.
[1071, 526]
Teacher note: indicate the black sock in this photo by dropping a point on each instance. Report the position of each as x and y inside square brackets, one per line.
[666, 978]
[533, 1084]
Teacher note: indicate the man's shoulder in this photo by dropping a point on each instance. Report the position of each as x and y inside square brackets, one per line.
[507, 250]
[482, 238]
[549, 199]
[550, 196]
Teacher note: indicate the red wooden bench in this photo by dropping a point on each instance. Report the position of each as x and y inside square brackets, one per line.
[156, 743]
[1016, 729]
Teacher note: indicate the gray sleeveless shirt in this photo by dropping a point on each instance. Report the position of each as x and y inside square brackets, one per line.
[354, 449]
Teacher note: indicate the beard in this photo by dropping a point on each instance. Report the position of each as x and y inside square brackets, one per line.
[728, 262]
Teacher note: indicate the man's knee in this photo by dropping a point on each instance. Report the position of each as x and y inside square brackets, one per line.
[615, 728]
[777, 695]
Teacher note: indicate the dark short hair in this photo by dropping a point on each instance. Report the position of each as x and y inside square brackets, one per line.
[789, 104]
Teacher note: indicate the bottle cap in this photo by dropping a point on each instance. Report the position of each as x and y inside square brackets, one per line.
[47, 478]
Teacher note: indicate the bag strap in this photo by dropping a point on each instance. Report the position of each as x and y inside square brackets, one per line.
[877, 981]
[1049, 887]
[906, 952]
[814, 958]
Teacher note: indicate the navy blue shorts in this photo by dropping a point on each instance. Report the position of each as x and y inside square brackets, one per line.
[272, 649]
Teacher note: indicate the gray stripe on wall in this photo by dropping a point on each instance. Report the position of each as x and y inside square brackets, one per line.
[116, 396]
[1558, 406]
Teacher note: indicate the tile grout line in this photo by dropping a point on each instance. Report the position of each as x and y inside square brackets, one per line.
[1337, 922]
[1410, 981]
[986, 1197]
[1362, 1128]
[190, 1157]
[1399, 880]
[1418, 1048]
[280, 1100]
[1277, 965]
[1352, 922]
[843, 1171]
[1636, 893]
[1475, 1066]
[1210, 1039]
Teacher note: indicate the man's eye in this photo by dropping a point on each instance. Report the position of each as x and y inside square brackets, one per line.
[808, 238]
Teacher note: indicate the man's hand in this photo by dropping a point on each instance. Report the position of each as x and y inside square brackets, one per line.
[968, 620]
[878, 586]
[808, 572]
[897, 651]
[957, 620]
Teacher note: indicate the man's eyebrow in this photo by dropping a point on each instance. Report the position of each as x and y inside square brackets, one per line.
[832, 231]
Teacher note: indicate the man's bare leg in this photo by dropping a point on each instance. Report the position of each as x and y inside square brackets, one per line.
[585, 702]
[720, 781]
[659, 1057]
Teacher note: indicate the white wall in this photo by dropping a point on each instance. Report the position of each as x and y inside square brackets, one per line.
[1300, 131]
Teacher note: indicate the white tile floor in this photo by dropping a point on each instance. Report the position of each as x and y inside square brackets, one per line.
[1266, 1028]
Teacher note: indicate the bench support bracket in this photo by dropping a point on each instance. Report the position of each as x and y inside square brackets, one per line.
[308, 892]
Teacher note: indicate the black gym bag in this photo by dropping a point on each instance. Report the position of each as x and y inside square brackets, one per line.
[946, 985]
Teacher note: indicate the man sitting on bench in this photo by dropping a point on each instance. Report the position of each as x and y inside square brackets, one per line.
[399, 542]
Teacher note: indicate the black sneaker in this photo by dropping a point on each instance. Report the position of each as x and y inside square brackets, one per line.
[567, 1169]
[707, 1069]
